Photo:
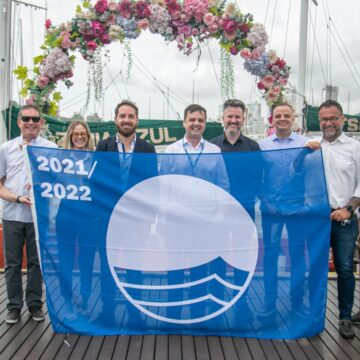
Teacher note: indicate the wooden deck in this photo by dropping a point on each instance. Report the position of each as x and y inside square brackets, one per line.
[30, 340]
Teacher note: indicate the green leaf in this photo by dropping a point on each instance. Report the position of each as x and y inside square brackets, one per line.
[38, 59]
[53, 108]
[78, 9]
[23, 92]
[36, 70]
[57, 96]
[21, 72]
[86, 4]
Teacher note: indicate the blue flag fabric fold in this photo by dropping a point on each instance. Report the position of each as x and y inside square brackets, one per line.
[232, 244]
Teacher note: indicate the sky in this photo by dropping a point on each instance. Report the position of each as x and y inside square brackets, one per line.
[187, 81]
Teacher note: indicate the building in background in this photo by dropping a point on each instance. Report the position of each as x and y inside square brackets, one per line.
[255, 125]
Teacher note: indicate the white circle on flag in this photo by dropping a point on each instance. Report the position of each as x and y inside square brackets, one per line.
[173, 222]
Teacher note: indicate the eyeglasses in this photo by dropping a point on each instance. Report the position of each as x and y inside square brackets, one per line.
[76, 134]
[331, 119]
[35, 119]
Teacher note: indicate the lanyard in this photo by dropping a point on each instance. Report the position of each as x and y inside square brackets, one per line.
[190, 157]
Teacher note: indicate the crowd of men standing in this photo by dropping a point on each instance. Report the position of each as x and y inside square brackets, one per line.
[342, 170]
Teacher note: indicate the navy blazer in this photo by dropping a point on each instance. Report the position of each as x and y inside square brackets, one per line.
[110, 144]
[148, 170]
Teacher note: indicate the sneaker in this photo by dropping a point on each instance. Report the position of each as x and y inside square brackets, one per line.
[346, 330]
[36, 313]
[355, 319]
[13, 316]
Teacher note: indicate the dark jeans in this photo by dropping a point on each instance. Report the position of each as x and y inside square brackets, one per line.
[272, 226]
[16, 234]
[343, 237]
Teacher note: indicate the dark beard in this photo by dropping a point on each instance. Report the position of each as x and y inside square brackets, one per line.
[126, 133]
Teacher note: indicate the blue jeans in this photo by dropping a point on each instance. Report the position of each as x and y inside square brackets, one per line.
[343, 237]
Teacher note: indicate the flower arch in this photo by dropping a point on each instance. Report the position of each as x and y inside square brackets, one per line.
[188, 23]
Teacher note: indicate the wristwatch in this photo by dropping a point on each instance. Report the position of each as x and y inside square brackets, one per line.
[18, 199]
[350, 209]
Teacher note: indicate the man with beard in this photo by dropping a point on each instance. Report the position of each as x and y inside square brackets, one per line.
[233, 140]
[125, 142]
[341, 156]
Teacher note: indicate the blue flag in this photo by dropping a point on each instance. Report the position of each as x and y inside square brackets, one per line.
[232, 244]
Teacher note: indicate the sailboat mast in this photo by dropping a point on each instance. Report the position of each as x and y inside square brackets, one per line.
[302, 59]
[5, 61]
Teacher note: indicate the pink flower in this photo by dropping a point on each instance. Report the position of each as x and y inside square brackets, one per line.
[194, 31]
[256, 54]
[97, 28]
[30, 100]
[230, 26]
[47, 23]
[185, 29]
[125, 9]
[91, 45]
[261, 86]
[275, 90]
[111, 20]
[245, 53]
[230, 36]
[101, 6]
[105, 39]
[173, 8]
[143, 24]
[268, 81]
[42, 82]
[209, 19]
[283, 81]
[112, 6]
[244, 28]
[142, 9]
[66, 43]
[280, 63]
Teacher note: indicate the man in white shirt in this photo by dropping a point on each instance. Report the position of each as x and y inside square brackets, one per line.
[198, 158]
[341, 156]
[17, 220]
[194, 145]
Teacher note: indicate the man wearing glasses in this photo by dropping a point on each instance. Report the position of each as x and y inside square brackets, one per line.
[341, 156]
[17, 220]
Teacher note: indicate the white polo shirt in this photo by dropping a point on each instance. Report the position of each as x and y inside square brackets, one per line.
[13, 168]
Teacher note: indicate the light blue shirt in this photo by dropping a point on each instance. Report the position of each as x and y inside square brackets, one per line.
[278, 179]
[273, 142]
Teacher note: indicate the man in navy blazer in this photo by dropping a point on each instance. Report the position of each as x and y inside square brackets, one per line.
[132, 170]
[125, 140]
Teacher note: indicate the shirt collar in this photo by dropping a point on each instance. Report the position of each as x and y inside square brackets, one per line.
[240, 138]
[117, 139]
[340, 139]
[187, 143]
[291, 137]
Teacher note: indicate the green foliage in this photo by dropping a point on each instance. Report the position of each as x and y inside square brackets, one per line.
[38, 59]
[227, 75]
[57, 96]
[21, 72]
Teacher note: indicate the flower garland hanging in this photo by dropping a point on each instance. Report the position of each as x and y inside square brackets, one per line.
[189, 23]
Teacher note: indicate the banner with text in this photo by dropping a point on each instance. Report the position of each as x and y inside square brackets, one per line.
[183, 243]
